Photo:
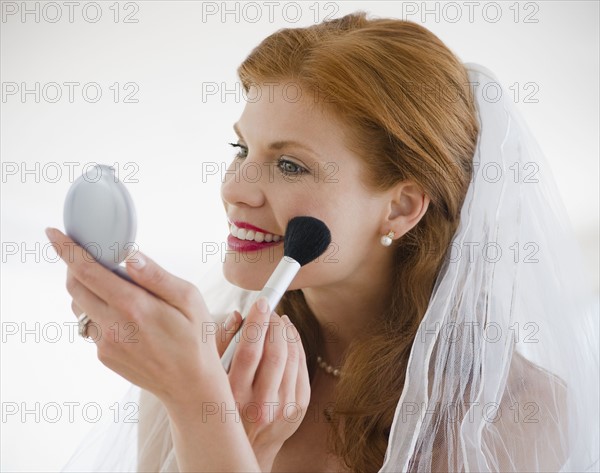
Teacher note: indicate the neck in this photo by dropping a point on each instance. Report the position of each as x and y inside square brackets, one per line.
[346, 310]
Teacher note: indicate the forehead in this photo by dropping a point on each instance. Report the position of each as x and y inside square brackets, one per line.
[273, 114]
[276, 111]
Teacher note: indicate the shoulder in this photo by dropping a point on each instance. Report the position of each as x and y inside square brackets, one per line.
[528, 431]
[530, 383]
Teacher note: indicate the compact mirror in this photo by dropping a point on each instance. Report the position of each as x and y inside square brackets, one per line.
[100, 216]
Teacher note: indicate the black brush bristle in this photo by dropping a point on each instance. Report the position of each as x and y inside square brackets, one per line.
[306, 238]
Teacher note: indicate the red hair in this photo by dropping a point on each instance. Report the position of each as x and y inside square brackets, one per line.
[404, 100]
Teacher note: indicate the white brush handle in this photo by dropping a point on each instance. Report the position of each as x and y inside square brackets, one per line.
[274, 290]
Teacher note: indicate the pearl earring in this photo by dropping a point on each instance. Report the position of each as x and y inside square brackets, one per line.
[386, 240]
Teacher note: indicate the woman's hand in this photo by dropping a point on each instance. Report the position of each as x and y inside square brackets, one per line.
[269, 379]
[160, 337]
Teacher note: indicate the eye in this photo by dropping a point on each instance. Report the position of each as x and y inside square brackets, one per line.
[242, 149]
[289, 168]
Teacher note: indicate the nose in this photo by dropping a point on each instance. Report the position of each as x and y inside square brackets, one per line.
[242, 184]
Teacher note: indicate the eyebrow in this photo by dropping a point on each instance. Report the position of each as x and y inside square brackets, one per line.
[280, 144]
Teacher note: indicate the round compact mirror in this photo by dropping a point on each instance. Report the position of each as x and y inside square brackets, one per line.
[99, 215]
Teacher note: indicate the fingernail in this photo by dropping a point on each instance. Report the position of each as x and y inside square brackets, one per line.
[262, 305]
[295, 335]
[230, 322]
[50, 232]
[137, 261]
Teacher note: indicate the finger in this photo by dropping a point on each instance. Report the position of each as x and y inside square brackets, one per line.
[86, 301]
[227, 330]
[114, 290]
[175, 291]
[248, 351]
[303, 382]
[98, 279]
[287, 390]
[273, 362]
[76, 309]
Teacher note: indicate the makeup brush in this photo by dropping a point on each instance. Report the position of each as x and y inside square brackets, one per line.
[306, 238]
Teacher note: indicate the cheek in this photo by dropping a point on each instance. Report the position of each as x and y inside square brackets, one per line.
[347, 225]
[343, 257]
[346, 222]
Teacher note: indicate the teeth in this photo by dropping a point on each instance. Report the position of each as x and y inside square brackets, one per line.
[248, 235]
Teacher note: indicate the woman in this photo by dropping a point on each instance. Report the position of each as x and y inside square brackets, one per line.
[449, 308]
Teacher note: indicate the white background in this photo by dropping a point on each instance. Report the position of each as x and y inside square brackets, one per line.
[174, 130]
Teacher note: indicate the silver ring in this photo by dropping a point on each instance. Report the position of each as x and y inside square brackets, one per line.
[83, 320]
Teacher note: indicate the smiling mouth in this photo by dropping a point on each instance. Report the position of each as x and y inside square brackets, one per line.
[250, 235]
[245, 237]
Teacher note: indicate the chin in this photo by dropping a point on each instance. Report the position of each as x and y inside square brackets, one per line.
[248, 275]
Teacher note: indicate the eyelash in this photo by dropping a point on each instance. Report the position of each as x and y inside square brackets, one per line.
[300, 169]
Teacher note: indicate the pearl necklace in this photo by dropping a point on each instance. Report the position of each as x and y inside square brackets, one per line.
[330, 369]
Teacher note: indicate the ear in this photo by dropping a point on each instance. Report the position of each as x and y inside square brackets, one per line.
[407, 205]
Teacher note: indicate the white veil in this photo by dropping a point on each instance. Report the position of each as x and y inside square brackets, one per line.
[503, 374]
